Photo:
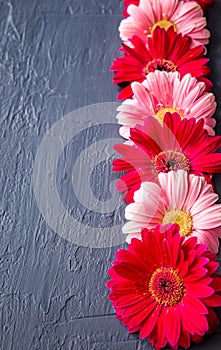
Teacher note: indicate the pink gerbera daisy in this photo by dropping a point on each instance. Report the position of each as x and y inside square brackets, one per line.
[163, 92]
[167, 51]
[205, 4]
[175, 144]
[187, 200]
[186, 18]
[165, 288]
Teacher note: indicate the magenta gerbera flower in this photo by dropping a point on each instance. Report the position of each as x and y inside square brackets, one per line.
[161, 147]
[167, 51]
[185, 17]
[163, 92]
[165, 288]
[187, 200]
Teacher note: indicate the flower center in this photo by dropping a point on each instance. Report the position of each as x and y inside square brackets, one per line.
[170, 160]
[165, 24]
[181, 218]
[160, 64]
[161, 113]
[166, 286]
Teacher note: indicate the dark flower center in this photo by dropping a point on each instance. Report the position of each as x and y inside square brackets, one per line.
[166, 286]
[170, 160]
[160, 64]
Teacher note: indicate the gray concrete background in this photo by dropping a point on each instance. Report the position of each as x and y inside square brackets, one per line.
[54, 58]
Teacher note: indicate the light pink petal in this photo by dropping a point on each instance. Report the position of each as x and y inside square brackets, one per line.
[140, 16]
[194, 189]
[146, 6]
[158, 83]
[208, 218]
[124, 131]
[133, 227]
[202, 203]
[143, 97]
[204, 106]
[148, 191]
[142, 212]
[175, 184]
[132, 235]
[207, 237]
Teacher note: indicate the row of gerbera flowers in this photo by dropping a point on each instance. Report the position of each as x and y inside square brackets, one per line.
[165, 284]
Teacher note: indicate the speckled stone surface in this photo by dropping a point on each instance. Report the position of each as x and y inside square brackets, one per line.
[54, 58]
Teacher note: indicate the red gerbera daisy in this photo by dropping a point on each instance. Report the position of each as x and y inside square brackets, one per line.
[205, 4]
[167, 51]
[175, 144]
[166, 288]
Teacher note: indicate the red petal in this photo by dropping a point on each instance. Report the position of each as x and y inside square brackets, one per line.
[166, 253]
[142, 315]
[210, 163]
[209, 145]
[129, 271]
[212, 321]
[150, 323]
[212, 266]
[125, 93]
[184, 340]
[196, 275]
[161, 329]
[126, 300]
[144, 304]
[199, 290]
[193, 323]
[173, 325]
[194, 305]
[124, 255]
[145, 142]
[213, 301]
[216, 283]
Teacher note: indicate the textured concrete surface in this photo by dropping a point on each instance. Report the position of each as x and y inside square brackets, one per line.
[54, 58]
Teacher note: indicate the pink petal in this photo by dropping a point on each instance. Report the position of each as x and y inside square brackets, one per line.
[175, 184]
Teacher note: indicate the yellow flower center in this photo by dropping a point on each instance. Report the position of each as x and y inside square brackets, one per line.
[166, 286]
[181, 218]
[161, 113]
[165, 24]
